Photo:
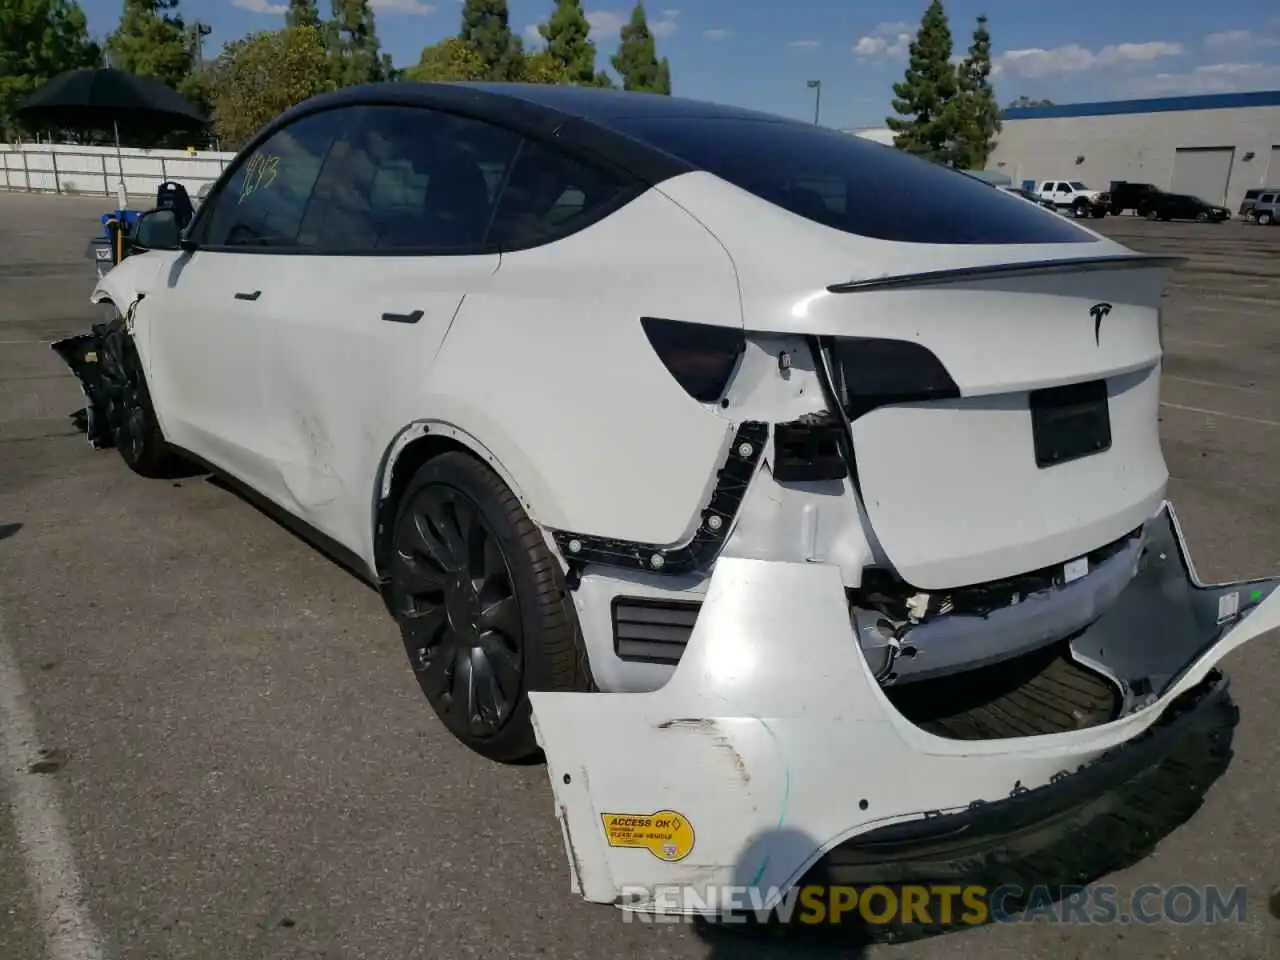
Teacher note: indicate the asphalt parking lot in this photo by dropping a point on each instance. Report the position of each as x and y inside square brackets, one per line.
[241, 765]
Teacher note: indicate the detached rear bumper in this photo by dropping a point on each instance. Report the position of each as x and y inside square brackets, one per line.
[772, 745]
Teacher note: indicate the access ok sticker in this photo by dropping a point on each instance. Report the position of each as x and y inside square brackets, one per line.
[666, 834]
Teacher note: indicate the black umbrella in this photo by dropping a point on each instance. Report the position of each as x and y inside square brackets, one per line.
[104, 97]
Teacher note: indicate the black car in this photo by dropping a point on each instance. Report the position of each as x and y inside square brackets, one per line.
[1126, 195]
[1181, 206]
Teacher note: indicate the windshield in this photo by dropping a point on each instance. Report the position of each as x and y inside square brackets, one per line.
[1077, 185]
[849, 183]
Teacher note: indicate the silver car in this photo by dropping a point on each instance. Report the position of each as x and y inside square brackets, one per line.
[1265, 210]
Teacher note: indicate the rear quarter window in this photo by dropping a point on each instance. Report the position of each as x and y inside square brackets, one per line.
[851, 184]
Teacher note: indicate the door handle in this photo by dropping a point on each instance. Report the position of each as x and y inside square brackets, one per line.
[249, 296]
[403, 317]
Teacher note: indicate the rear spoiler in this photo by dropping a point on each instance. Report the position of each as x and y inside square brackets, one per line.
[1024, 268]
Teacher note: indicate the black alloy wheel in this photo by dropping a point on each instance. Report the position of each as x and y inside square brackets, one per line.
[483, 610]
[462, 611]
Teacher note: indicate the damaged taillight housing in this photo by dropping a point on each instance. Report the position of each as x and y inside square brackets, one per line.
[872, 372]
[700, 357]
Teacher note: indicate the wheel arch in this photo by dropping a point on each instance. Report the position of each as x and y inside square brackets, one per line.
[423, 440]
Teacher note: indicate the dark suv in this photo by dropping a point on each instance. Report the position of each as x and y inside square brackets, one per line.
[1130, 196]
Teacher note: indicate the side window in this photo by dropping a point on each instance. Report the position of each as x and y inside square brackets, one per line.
[549, 195]
[1047, 186]
[408, 179]
[261, 206]
[1064, 188]
[1266, 198]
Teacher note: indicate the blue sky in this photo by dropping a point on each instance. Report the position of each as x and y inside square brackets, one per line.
[760, 53]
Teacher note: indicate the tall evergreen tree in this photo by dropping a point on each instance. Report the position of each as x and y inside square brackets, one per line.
[38, 40]
[486, 29]
[637, 59]
[569, 44]
[302, 13]
[925, 124]
[152, 40]
[353, 41]
[977, 113]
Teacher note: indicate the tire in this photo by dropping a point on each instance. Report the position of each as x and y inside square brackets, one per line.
[1264, 219]
[1152, 215]
[1080, 209]
[1202, 217]
[135, 429]
[483, 610]
[1099, 213]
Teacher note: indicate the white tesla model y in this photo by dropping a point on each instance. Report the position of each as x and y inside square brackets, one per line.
[796, 498]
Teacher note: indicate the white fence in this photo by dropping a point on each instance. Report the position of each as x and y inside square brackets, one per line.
[98, 171]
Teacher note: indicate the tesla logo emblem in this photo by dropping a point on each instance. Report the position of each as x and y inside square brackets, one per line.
[1099, 313]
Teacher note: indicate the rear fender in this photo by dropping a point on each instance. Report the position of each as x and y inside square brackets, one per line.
[772, 743]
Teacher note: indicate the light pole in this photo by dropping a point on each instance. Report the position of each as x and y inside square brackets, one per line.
[816, 87]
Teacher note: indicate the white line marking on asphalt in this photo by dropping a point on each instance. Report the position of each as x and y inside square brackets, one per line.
[1201, 383]
[1198, 343]
[69, 932]
[1219, 413]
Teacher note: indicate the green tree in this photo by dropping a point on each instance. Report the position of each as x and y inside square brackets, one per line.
[1025, 101]
[637, 59]
[486, 29]
[152, 40]
[449, 60]
[977, 115]
[302, 13]
[38, 40]
[354, 51]
[926, 119]
[259, 77]
[569, 45]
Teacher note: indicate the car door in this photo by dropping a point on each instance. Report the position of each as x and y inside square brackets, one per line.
[1047, 190]
[396, 233]
[220, 296]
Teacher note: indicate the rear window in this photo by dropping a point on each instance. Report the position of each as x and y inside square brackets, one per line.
[1267, 198]
[852, 184]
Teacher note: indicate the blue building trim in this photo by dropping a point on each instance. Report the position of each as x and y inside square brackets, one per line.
[1212, 101]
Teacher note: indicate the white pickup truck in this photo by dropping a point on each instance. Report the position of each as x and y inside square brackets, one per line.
[1074, 196]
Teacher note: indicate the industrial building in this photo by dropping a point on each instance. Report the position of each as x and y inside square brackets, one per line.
[1214, 147]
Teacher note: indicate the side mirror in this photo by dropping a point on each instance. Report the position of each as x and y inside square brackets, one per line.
[156, 230]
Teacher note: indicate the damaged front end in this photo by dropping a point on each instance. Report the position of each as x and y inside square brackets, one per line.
[101, 360]
[774, 751]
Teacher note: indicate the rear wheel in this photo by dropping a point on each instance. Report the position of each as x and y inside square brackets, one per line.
[482, 607]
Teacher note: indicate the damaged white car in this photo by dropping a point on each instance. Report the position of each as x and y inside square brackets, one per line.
[797, 526]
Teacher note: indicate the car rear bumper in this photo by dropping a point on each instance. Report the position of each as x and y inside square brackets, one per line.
[772, 745]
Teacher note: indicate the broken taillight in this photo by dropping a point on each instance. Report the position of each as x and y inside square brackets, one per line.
[701, 357]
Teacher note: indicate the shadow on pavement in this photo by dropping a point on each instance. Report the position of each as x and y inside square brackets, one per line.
[7, 530]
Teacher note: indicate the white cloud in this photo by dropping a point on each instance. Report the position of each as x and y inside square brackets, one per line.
[1209, 78]
[1073, 58]
[804, 44]
[260, 6]
[717, 34]
[886, 40]
[1239, 41]
[404, 6]
[609, 22]
[531, 35]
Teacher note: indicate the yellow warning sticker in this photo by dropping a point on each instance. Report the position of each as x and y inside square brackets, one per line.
[666, 834]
